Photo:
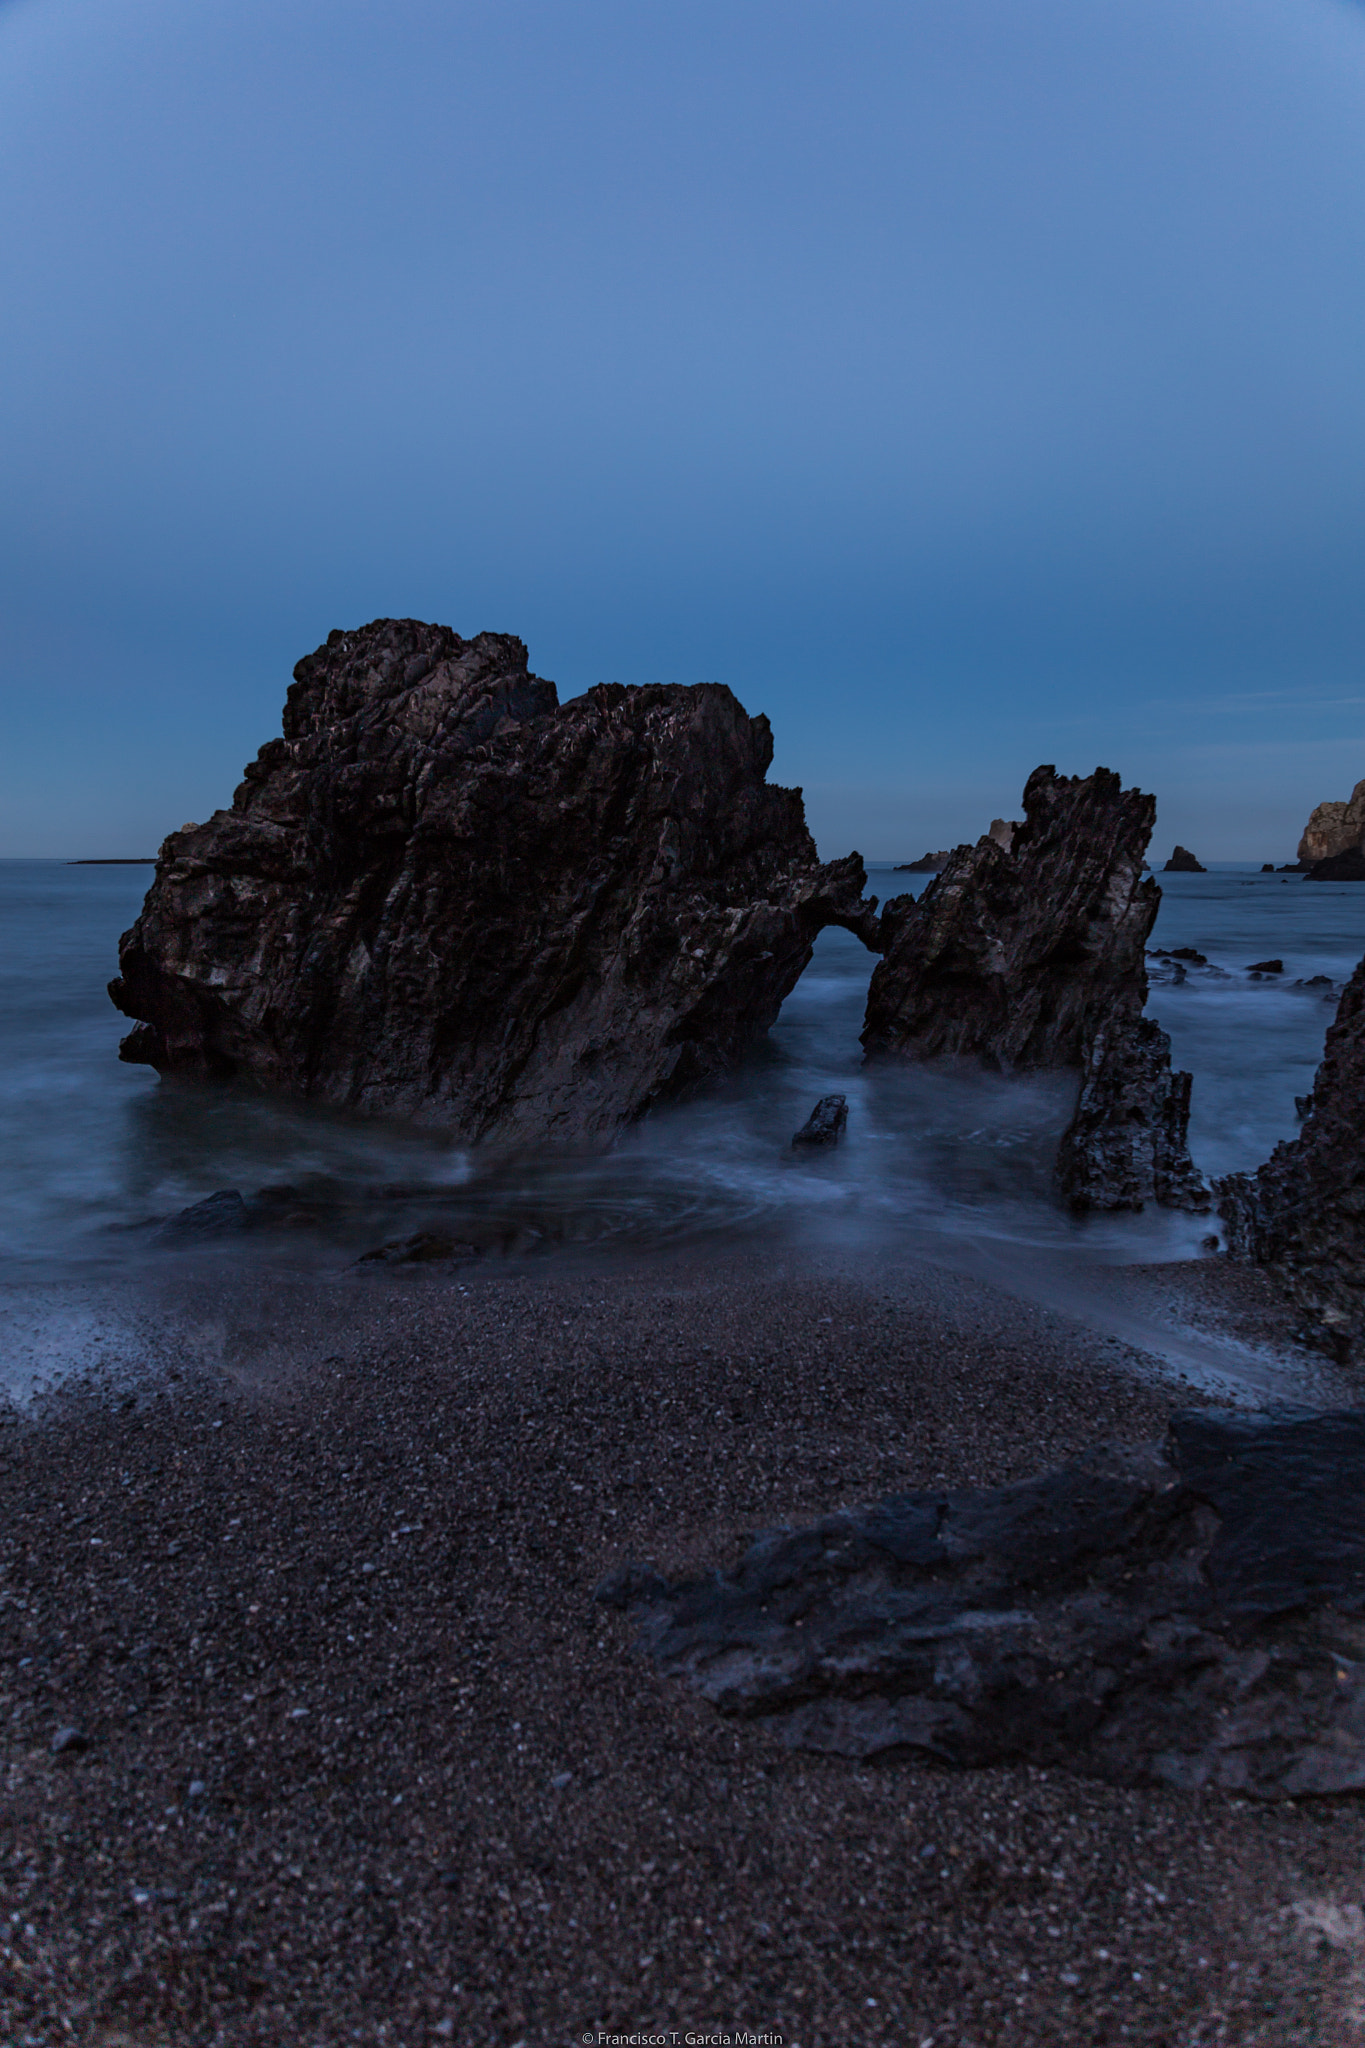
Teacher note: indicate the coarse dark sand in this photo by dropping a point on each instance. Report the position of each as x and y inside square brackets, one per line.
[362, 1762]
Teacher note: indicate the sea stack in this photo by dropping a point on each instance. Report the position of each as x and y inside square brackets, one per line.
[443, 895]
[1032, 955]
[1183, 862]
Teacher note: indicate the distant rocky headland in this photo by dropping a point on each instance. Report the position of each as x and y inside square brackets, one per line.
[1334, 828]
[1332, 848]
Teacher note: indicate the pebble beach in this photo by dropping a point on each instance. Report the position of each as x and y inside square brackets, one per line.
[315, 1734]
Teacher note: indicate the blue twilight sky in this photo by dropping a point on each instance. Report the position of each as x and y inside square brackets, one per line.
[967, 383]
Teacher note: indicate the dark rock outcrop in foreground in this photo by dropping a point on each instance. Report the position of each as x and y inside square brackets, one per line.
[1183, 862]
[1031, 955]
[1188, 1614]
[1303, 1212]
[444, 895]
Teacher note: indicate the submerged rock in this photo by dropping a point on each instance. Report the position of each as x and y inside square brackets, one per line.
[1187, 1614]
[826, 1122]
[220, 1215]
[422, 1248]
[1302, 1213]
[1266, 967]
[1183, 862]
[444, 895]
[1032, 956]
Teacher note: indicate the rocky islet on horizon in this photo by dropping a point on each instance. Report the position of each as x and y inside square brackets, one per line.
[1332, 848]
[1334, 828]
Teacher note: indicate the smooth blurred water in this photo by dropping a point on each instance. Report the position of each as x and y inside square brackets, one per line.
[92, 1147]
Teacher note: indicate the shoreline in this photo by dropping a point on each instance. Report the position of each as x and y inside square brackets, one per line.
[365, 1763]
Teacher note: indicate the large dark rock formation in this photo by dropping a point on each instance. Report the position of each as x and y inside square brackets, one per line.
[443, 894]
[1183, 862]
[1191, 1614]
[1303, 1213]
[1032, 955]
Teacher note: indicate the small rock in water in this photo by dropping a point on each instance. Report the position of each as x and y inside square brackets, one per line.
[825, 1124]
[1267, 867]
[1266, 967]
[421, 1247]
[69, 1742]
[217, 1215]
[1183, 862]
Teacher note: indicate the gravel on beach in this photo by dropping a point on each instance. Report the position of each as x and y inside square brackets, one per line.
[314, 1734]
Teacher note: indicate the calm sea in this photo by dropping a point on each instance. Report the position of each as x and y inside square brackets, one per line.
[92, 1147]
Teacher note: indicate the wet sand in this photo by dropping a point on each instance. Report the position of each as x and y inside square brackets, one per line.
[363, 1762]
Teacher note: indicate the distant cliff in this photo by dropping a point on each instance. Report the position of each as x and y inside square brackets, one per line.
[1334, 828]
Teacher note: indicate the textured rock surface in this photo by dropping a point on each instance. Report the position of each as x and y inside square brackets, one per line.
[1013, 956]
[442, 894]
[1031, 954]
[1127, 1143]
[1183, 862]
[1303, 1212]
[1188, 1614]
[1334, 828]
